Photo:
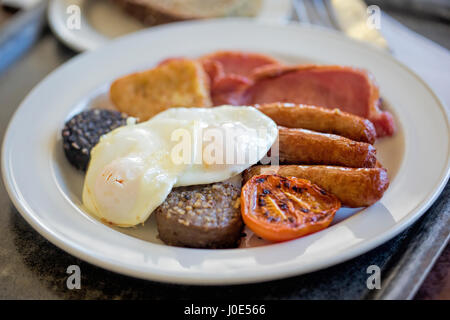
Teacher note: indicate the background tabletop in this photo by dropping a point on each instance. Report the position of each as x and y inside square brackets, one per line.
[33, 268]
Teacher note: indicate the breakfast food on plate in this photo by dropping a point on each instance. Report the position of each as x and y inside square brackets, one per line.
[238, 63]
[203, 216]
[231, 73]
[277, 208]
[184, 159]
[153, 12]
[229, 90]
[320, 119]
[350, 89]
[131, 173]
[134, 168]
[354, 187]
[177, 83]
[82, 132]
[233, 139]
[301, 146]
[241, 78]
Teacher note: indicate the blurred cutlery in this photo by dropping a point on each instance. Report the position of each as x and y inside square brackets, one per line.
[352, 17]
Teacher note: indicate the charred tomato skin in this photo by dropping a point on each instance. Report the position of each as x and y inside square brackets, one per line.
[278, 209]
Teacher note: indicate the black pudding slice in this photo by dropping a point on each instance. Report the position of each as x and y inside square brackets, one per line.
[82, 132]
[202, 216]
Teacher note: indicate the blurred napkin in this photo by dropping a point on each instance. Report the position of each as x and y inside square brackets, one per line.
[20, 4]
[425, 57]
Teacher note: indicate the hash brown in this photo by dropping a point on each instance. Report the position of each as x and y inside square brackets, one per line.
[176, 83]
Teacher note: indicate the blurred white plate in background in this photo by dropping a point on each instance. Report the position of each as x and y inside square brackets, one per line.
[102, 21]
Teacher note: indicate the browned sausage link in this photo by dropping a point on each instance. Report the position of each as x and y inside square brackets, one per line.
[320, 119]
[354, 187]
[301, 146]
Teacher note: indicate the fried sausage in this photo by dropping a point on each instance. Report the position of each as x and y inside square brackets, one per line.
[320, 119]
[354, 187]
[301, 146]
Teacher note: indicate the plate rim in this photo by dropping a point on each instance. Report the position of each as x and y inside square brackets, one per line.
[80, 44]
[349, 253]
[66, 36]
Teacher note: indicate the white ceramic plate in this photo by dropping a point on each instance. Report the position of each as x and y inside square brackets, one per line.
[102, 21]
[47, 190]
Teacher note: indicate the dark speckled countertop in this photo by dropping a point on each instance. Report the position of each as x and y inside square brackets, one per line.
[32, 268]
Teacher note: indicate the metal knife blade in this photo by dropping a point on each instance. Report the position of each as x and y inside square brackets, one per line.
[358, 21]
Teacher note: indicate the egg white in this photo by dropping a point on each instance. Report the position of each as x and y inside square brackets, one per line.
[131, 172]
[133, 168]
[252, 135]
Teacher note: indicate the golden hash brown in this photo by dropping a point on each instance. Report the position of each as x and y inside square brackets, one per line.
[176, 83]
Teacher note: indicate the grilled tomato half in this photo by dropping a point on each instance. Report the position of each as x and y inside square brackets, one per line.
[277, 208]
